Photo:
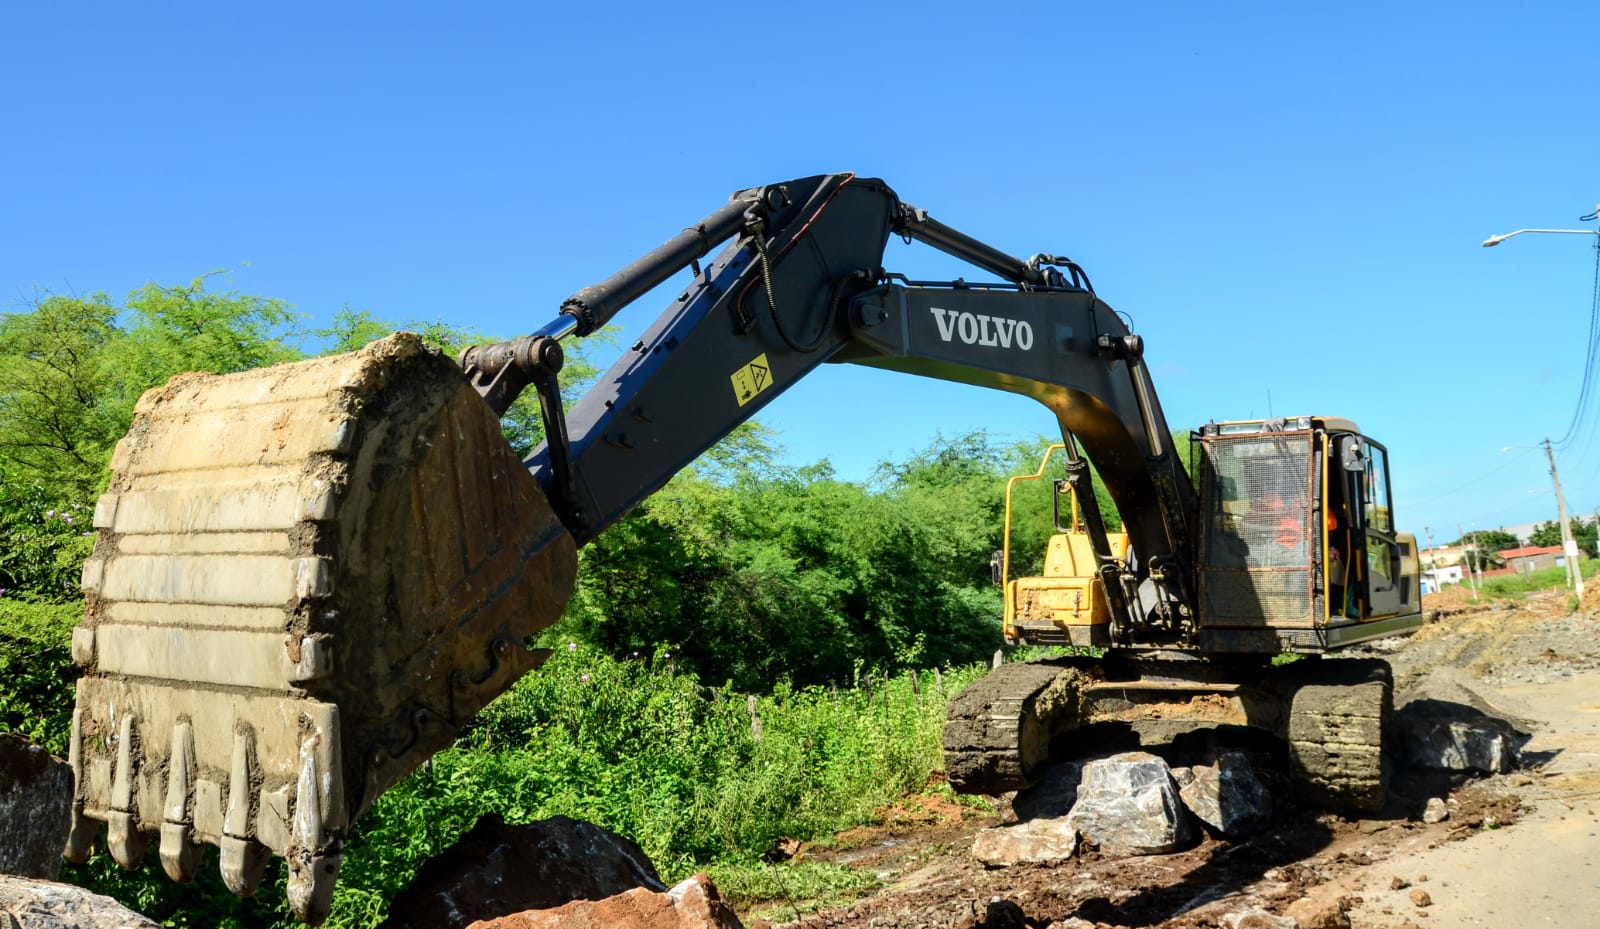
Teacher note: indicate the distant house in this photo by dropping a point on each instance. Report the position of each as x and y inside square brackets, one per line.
[1443, 555]
[1533, 558]
[1442, 575]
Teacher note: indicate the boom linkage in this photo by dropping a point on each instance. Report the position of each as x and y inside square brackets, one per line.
[799, 281]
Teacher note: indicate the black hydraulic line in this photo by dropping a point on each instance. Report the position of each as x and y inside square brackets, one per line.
[920, 226]
[594, 306]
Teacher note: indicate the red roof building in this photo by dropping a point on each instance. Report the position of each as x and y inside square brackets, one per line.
[1532, 557]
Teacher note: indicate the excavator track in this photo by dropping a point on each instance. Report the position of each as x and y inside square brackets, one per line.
[1338, 713]
[998, 729]
[1330, 714]
[307, 578]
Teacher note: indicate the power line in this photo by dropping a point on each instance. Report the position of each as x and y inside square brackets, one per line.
[1482, 477]
[1579, 413]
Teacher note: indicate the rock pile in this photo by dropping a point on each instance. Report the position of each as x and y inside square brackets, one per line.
[1129, 804]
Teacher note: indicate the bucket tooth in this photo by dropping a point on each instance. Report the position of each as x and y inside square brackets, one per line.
[180, 855]
[243, 862]
[80, 840]
[314, 855]
[123, 838]
[243, 859]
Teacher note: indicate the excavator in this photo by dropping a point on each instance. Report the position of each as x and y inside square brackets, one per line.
[308, 578]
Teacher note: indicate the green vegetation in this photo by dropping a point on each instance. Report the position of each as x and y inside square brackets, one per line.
[699, 778]
[1507, 586]
[748, 657]
[1584, 531]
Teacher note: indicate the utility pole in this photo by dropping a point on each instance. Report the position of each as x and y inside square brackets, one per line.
[1462, 536]
[1431, 569]
[1568, 545]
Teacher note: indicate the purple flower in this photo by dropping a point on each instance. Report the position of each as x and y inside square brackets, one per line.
[572, 646]
[49, 512]
[666, 654]
[583, 677]
[67, 518]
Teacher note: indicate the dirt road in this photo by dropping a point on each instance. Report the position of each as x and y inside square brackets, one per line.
[1518, 849]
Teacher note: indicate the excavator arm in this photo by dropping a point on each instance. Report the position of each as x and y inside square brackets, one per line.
[308, 578]
[799, 283]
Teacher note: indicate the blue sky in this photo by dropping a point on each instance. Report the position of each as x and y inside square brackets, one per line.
[1289, 199]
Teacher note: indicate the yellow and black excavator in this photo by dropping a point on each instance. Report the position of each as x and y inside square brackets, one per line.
[308, 578]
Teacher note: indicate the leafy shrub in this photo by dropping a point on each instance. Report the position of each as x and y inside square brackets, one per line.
[42, 547]
[698, 777]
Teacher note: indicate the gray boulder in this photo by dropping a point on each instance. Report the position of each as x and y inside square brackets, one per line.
[1037, 841]
[34, 904]
[1450, 743]
[1228, 797]
[1128, 804]
[35, 809]
[1447, 721]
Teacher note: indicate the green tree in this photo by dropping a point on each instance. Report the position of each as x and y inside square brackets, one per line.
[60, 400]
[1583, 532]
[1489, 541]
[72, 368]
[756, 573]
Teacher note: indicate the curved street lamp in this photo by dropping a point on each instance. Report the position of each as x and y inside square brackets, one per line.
[1494, 240]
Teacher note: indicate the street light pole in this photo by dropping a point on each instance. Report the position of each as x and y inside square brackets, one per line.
[1494, 240]
[1568, 545]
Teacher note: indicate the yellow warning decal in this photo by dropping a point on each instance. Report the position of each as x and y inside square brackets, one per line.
[752, 379]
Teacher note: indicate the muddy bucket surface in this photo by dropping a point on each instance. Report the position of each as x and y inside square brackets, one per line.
[306, 580]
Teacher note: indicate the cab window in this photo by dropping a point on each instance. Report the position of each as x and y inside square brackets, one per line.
[1379, 516]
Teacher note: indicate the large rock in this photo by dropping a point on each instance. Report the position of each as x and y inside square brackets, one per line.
[32, 904]
[1053, 795]
[1444, 743]
[35, 809]
[1318, 913]
[1449, 721]
[1128, 804]
[693, 904]
[1228, 797]
[1037, 841]
[497, 870]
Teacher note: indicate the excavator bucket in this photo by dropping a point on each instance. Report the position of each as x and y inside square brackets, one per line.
[307, 578]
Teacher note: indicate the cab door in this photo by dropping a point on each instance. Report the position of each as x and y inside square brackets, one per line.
[1382, 562]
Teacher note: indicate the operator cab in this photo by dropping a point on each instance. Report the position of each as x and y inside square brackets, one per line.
[1298, 548]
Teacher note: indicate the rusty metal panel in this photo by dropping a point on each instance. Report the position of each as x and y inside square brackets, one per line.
[1259, 531]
